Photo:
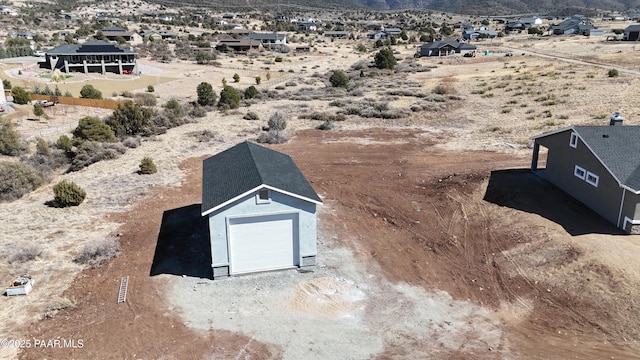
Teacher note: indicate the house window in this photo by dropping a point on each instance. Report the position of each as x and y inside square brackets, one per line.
[263, 196]
[579, 172]
[592, 178]
[573, 142]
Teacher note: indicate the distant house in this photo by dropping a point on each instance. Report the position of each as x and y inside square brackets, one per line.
[304, 26]
[337, 34]
[92, 56]
[22, 34]
[269, 39]
[239, 45]
[393, 31]
[377, 36]
[445, 47]
[114, 32]
[632, 33]
[261, 211]
[597, 165]
[527, 22]
[514, 26]
[570, 26]
[479, 34]
[159, 34]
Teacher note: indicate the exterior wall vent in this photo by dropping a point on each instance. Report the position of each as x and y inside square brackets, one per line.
[616, 119]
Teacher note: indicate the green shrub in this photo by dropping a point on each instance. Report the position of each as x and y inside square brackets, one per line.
[10, 140]
[64, 143]
[17, 179]
[20, 96]
[147, 166]
[6, 83]
[384, 59]
[258, 80]
[150, 88]
[67, 194]
[206, 95]
[278, 59]
[90, 152]
[130, 119]
[93, 129]
[339, 79]
[89, 92]
[42, 147]
[251, 116]
[38, 110]
[277, 122]
[612, 73]
[251, 92]
[229, 97]
[236, 78]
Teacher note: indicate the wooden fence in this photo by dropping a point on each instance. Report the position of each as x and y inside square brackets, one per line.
[99, 103]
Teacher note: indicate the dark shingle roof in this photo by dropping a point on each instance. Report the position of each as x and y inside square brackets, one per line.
[89, 47]
[618, 147]
[246, 166]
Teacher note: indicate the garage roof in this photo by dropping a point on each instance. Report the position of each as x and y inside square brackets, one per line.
[244, 169]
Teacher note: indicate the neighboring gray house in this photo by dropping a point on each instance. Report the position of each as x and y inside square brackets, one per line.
[269, 39]
[632, 33]
[445, 47]
[261, 209]
[479, 34]
[92, 56]
[597, 165]
[574, 25]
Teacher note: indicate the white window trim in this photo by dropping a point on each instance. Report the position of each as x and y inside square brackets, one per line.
[577, 170]
[590, 174]
[573, 142]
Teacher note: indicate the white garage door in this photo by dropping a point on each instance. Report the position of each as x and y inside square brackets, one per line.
[263, 243]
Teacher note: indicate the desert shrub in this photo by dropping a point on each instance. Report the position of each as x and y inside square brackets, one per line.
[20, 253]
[147, 166]
[67, 194]
[90, 152]
[229, 97]
[273, 137]
[127, 94]
[130, 119]
[93, 129]
[236, 78]
[42, 147]
[20, 96]
[204, 135]
[443, 89]
[6, 83]
[150, 88]
[197, 111]
[98, 252]
[132, 142]
[357, 92]
[10, 140]
[338, 79]
[145, 99]
[323, 116]
[278, 59]
[38, 110]
[251, 92]
[17, 179]
[64, 143]
[258, 80]
[277, 122]
[290, 83]
[251, 116]
[612, 73]
[327, 125]
[206, 95]
[89, 92]
[384, 59]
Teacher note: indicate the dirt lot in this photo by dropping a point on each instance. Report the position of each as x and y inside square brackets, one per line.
[434, 243]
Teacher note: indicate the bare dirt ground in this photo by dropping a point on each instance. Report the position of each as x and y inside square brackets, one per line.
[430, 246]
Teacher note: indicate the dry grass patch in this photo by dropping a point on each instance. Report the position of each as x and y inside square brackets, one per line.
[99, 252]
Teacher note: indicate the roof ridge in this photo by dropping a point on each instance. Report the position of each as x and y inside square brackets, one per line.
[250, 147]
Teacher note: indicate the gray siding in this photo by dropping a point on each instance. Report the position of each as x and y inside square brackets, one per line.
[561, 161]
[630, 209]
[247, 206]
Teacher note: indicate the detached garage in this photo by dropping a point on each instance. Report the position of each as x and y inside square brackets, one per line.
[261, 210]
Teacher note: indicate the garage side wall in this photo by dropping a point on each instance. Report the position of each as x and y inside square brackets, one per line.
[249, 206]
